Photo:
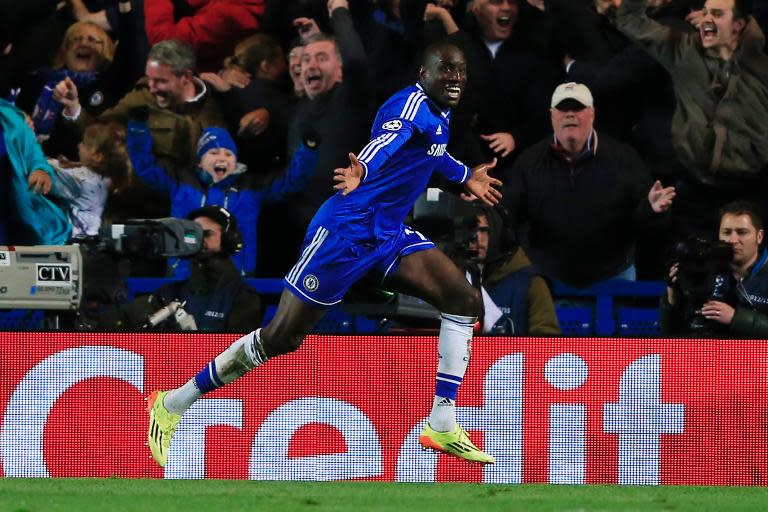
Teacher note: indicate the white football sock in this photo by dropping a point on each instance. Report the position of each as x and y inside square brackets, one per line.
[454, 347]
[238, 359]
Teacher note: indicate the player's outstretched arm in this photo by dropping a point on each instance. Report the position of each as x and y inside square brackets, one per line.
[348, 178]
[482, 186]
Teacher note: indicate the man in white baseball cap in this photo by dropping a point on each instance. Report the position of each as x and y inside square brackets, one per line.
[572, 91]
[573, 116]
[584, 206]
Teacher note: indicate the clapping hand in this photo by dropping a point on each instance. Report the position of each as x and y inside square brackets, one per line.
[501, 143]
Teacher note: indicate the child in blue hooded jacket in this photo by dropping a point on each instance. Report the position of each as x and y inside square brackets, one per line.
[219, 180]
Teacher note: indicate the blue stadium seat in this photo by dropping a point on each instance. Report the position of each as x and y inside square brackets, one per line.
[575, 321]
[21, 320]
[638, 321]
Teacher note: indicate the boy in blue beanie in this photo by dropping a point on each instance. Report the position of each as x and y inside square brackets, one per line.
[219, 180]
[217, 154]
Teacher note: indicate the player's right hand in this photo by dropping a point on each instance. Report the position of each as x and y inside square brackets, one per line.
[348, 178]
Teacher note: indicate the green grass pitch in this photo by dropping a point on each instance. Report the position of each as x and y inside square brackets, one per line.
[117, 495]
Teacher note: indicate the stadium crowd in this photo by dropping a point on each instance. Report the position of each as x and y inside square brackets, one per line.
[620, 126]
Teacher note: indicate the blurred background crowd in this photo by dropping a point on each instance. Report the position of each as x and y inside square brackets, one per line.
[620, 128]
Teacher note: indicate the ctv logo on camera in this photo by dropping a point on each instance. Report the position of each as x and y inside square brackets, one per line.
[54, 274]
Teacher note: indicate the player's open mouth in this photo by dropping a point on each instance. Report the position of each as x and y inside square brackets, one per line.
[708, 31]
[452, 91]
[504, 21]
[314, 80]
[220, 170]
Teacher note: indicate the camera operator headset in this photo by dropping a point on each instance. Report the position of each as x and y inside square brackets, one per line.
[746, 312]
[215, 297]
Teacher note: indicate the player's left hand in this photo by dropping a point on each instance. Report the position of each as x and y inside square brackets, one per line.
[348, 178]
[39, 182]
[483, 186]
[718, 311]
[661, 197]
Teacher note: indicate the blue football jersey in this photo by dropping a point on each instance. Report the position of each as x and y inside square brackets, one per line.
[408, 143]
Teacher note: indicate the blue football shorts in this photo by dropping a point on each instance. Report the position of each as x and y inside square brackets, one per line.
[330, 264]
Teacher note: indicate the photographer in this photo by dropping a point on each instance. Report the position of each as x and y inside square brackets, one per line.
[214, 297]
[741, 311]
[516, 300]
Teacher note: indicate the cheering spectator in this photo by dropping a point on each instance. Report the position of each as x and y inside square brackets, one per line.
[501, 108]
[584, 202]
[84, 58]
[338, 107]
[177, 105]
[218, 179]
[720, 75]
[257, 102]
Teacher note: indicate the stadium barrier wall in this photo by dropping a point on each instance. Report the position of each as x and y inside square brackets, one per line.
[561, 410]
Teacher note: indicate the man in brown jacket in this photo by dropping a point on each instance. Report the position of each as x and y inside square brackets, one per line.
[176, 103]
[720, 76]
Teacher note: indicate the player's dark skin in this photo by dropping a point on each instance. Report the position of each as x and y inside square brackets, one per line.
[430, 274]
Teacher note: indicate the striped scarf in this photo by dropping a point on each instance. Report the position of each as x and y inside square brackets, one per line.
[47, 109]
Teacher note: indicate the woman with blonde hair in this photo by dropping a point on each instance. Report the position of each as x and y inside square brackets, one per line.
[85, 57]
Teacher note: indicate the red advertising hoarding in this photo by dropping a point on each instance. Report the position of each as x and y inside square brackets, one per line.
[563, 410]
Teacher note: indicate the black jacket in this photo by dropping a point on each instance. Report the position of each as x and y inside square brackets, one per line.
[508, 93]
[341, 118]
[750, 320]
[584, 215]
[215, 294]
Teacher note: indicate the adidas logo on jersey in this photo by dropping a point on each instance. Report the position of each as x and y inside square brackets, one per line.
[439, 130]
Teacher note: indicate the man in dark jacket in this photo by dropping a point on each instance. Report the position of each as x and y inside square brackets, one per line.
[584, 202]
[508, 88]
[214, 297]
[516, 300]
[338, 106]
[746, 313]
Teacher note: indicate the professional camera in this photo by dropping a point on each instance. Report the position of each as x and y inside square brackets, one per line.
[166, 237]
[704, 273]
[138, 245]
[448, 221]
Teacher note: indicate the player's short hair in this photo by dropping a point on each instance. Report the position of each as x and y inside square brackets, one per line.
[743, 208]
[434, 49]
[176, 54]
